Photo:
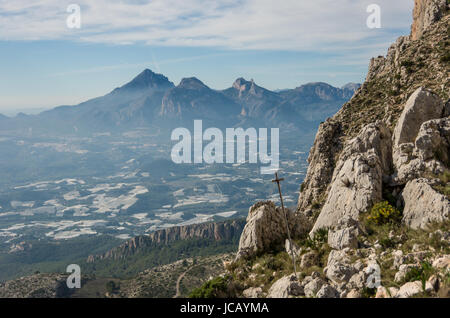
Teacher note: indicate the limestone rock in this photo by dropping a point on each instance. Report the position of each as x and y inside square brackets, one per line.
[312, 288]
[442, 262]
[399, 259]
[266, 229]
[393, 291]
[327, 291]
[339, 270]
[285, 287]
[429, 153]
[358, 280]
[433, 140]
[344, 234]
[410, 289]
[382, 292]
[321, 163]
[354, 293]
[253, 292]
[422, 105]
[426, 13]
[415, 143]
[309, 259]
[357, 179]
[423, 204]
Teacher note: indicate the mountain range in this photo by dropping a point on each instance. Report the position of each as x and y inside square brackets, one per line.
[152, 100]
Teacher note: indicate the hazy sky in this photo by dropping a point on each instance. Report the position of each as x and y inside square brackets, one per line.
[280, 44]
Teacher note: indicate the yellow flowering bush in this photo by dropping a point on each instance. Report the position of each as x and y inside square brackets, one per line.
[383, 213]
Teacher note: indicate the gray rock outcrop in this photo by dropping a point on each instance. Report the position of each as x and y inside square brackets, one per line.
[285, 287]
[266, 230]
[421, 138]
[426, 13]
[421, 106]
[212, 231]
[313, 285]
[344, 234]
[327, 291]
[423, 204]
[321, 163]
[357, 180]
[253, 292]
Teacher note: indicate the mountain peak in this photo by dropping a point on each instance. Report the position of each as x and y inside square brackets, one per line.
[148, 79]
[192, 83]
[242, 84]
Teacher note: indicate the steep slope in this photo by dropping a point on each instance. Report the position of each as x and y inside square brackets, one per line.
[377, 188]
[391, 80]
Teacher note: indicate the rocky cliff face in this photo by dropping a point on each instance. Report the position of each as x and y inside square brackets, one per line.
[391, 86]
[212, 231]
[266, 229]
[426, 12]
[389, 146]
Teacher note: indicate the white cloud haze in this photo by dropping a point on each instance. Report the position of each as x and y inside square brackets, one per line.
[230, 24]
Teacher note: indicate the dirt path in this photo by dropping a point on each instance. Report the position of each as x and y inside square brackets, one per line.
[178, 294]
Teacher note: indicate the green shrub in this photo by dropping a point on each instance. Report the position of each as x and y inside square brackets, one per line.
[407, 63]
[387, 243]
[368, 292]
[319, 238]
[111, 287]
[444, 186]
[423, 273]
[219, 287]
[302, 187]
[383, 213]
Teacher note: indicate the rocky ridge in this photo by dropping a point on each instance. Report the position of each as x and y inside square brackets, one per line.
[391, 81]
[212, 230]
[374, 205]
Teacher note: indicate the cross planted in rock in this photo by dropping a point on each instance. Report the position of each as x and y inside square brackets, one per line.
[291, 246]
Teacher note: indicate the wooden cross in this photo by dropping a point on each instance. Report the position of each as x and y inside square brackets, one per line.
[278, 180]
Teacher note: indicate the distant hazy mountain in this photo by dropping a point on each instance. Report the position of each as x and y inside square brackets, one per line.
[151, 100]
[192, 99]
[255, 101]
[135, 103]
[351, 87]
